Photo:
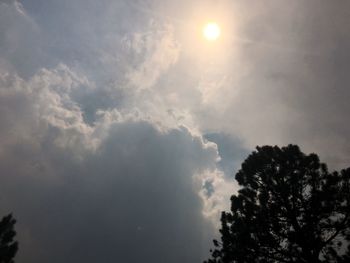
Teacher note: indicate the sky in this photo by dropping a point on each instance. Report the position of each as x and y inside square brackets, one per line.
[121, 127]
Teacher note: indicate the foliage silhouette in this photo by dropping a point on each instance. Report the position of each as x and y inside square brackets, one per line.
[8, 247]
[289, 209]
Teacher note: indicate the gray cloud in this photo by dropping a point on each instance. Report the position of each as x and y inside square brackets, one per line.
[132, 198]
[103, 106]
[132, 201]
[21, 42]
[294, 85]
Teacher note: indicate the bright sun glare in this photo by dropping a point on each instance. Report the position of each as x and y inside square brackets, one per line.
[211, 31]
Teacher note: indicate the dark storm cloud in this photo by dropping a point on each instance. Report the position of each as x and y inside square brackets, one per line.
[132, 201]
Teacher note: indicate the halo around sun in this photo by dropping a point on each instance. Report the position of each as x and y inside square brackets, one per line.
[211, 31]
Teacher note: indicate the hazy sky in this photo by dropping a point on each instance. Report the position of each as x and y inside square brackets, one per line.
[121, 127]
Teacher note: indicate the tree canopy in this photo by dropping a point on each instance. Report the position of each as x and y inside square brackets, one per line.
[289, 209]
[8, 247]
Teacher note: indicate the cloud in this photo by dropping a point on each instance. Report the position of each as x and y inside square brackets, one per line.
[101, 100]
[127, 202]
[288, 82]
[160, 50]
[20, 40]
[131, 193]
[215, 192]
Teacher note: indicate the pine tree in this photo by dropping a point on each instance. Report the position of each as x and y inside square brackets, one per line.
[8, 247]
[289, 209]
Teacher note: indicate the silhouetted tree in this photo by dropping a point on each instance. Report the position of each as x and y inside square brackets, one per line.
[8, 247]
[289, 209]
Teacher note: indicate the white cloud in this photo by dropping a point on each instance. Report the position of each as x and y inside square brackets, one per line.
[216, 190]
[160, 51]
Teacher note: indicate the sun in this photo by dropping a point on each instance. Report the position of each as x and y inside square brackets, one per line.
[211, 31]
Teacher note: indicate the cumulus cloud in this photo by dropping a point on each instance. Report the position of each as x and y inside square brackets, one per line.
[120, 129]
[132, 195]
[215, 192]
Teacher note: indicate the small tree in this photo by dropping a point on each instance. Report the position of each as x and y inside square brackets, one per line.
[289, 209]
[8, 247]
